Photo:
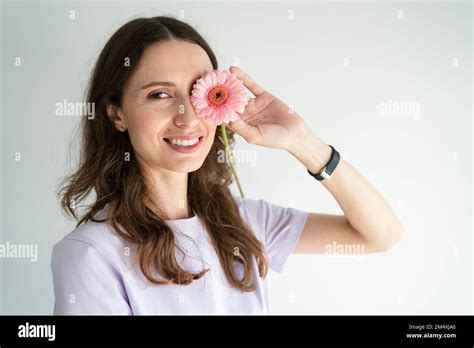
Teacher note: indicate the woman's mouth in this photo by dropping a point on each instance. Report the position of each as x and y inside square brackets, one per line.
[184, 146]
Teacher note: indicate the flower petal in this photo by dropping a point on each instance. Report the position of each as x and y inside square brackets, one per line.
[221, 77]
[236, 101]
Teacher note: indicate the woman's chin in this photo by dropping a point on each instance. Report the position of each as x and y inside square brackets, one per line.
[185, 166]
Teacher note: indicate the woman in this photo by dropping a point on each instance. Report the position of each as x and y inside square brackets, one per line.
[163, 234]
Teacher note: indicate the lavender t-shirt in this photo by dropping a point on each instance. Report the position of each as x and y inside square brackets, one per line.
[93, 273]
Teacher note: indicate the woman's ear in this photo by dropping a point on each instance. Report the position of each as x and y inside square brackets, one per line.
[116, 116]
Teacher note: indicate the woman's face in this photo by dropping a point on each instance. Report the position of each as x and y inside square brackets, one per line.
[156, 107]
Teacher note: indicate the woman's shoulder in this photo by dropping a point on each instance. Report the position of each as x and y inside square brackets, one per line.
[279, 227]
[88, 266]
[266, 216]
[244, 203]
[260, 208]
[92, 236]
[253, 209]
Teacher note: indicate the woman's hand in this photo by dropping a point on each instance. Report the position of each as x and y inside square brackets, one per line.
[266, 120]
[269, 122]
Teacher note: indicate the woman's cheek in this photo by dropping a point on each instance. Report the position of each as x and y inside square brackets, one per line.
[151, 122]
[210, 137]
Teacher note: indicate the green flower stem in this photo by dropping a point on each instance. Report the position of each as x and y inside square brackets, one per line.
[229, 158]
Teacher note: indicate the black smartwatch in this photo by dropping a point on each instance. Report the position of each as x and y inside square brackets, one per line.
[327, 171]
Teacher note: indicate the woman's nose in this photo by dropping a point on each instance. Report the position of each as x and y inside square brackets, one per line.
[186, 116]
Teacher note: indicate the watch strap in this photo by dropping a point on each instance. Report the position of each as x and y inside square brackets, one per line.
[327, 171]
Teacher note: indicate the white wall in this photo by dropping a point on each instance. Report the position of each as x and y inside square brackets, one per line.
[335, 63]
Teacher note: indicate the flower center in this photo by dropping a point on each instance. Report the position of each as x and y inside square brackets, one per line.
[217, 95]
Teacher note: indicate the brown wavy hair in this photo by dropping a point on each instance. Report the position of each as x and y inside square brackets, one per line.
[121, 184]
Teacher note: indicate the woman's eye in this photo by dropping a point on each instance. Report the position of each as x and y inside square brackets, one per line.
[157, 95]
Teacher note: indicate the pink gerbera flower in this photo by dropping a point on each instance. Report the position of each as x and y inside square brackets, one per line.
[218, 96]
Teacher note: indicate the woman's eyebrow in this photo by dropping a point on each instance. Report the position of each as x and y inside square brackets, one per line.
[158, 83]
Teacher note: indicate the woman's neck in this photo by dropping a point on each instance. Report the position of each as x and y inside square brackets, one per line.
[169, 191]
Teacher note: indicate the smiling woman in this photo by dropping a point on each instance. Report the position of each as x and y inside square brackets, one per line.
[163, 215]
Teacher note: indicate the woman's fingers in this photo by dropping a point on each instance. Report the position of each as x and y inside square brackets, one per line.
[247, 80]
[246, 131]
[250, 110]
[250, 133]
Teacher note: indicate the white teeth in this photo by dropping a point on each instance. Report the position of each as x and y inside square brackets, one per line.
[184, 142]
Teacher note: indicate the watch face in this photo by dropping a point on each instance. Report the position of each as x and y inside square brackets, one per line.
[325, 175]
